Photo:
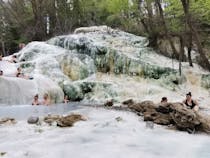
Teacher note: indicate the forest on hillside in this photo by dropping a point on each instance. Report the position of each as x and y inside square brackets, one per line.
[187, 21]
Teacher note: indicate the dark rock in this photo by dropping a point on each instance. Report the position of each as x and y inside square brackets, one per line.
[3, 153]
[33, 120]
[143, 106]
[64, 121]
[175, 114]
[128, 102]
[183, 117]
[51, 118]
[109, 103]
[7, 120]
[164, 108]
[68, 121]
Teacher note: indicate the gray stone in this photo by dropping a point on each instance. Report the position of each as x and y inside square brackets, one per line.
[33, 120]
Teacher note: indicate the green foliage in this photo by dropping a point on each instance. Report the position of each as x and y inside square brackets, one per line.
[201, 10]
[26, 19]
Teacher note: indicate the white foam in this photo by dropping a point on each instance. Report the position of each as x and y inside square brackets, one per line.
[101, 136]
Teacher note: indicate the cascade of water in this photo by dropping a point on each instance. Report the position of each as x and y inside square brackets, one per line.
[69, 63]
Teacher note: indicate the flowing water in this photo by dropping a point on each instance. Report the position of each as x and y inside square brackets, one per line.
[94, 65]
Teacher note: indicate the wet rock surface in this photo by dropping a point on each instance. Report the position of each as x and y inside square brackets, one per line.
[7, 121]
[175, 114]
[64, 121]
[33, 120]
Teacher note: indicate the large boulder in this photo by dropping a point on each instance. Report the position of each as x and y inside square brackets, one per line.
[173, 114]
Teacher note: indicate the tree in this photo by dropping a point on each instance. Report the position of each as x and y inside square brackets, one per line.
[193, 31]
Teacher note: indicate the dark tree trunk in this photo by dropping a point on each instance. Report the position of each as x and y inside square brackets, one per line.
[168, 36]
[189, 50]
[205, 62]
[3, 48]
[181, 55]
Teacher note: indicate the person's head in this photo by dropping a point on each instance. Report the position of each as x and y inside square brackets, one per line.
[18, 75]
[45, 96]
[164, 100]
[1, 73]
[188, 96]
[36, 97]
[19, 69]
[14, 56]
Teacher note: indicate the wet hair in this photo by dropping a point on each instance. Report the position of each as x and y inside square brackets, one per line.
[189, 93]
[18, 74]
[164, 99]
[36, 95]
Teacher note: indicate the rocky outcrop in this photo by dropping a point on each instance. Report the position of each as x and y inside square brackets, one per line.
[164, 46]
[173, 114]
[7, 121]
[64, 121]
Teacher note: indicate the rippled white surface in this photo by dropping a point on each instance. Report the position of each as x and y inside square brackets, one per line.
[101, 136]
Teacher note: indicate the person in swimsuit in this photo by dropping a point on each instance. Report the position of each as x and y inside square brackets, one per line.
[190, 103]
[66, 99]
[36, 100]
[46, 100]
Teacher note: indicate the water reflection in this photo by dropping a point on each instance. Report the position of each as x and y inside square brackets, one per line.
[25, 111]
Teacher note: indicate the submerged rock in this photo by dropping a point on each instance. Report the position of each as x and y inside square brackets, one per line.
[3, 153]
[128, 102]
[109, 103]
[33, 120]
[7, 121]
[64, 121]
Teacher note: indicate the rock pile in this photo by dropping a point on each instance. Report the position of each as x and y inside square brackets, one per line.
[172, 114]
[64, 121]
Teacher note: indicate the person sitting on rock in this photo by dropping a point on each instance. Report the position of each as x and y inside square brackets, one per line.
[1, 73]
[46, 100]
[66, 99]
[190, 103]
[36, 100]
[164, 100]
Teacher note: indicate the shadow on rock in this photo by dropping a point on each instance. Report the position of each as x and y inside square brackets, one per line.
[175, 114]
